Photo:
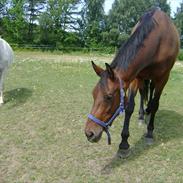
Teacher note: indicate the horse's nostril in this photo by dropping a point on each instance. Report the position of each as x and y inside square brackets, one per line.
[90, 134]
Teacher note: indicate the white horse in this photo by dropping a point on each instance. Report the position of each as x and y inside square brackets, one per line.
[6, 58]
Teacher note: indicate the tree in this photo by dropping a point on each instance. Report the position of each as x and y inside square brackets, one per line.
[162, 4]
[125, 14]
[14, 22]
[58, 22]
[92, 21]
[65, 23]
[179, 21]
[3, 4]
[33, 9]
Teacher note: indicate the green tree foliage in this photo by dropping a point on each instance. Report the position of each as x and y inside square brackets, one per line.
[124, 15]
[14, 24]
[163, 4]
[2, 14]
[2, 8]
[73, 23]
[179, 21]
[92, 22]
[33, 9]
[57, 22]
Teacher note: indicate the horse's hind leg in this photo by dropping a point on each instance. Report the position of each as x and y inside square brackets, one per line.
[153, 107]
[148, 109]
[150, 97]
[141, 109]
[143, 90]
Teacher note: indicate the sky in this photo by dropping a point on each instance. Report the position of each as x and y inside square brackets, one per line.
[173, 5]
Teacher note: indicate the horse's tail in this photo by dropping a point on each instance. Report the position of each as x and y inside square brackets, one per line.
[146, 88]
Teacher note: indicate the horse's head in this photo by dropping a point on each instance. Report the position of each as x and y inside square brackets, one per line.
[106, 95]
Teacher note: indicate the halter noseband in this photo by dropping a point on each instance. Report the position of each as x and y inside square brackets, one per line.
[119, 110]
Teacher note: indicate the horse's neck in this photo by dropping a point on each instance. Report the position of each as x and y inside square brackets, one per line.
[127, 75]
[140, 62]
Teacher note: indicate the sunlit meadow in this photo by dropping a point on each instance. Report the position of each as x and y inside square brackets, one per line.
[47, 99]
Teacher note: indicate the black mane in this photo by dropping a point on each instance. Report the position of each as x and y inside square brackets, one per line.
[129, 50]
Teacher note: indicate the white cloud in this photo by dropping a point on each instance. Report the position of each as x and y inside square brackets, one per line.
[108, 5]
[174, 4]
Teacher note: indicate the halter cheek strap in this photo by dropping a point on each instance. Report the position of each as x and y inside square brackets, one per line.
[118, 111]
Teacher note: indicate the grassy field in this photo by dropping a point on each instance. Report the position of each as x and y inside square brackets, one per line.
[47, 99]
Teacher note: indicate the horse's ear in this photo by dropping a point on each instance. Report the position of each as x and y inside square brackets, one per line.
[97, 69]
[110, 71]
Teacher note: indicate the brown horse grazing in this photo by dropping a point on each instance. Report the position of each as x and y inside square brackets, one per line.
[149, 54]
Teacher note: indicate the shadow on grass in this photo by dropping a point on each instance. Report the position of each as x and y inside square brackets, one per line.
[17, 96]
[168, 126]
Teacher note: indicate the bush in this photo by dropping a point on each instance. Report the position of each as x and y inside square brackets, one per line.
[180, 55]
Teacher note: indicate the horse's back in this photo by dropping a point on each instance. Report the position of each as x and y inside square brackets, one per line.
[6, 54]
[169, 37]
[164, 42]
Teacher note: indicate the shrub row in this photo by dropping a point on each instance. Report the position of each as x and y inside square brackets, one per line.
[180, 56]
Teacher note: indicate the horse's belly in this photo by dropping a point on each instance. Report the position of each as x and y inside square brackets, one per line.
[6, 54]
[155, 71]
[6, 60]
[144, 74]
[4, 64]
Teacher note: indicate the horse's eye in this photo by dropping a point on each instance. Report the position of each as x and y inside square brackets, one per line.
[108, 97]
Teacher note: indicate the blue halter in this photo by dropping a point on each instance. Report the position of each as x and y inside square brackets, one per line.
[119, 110]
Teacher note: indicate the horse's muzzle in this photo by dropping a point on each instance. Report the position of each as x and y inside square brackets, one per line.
[92, 137]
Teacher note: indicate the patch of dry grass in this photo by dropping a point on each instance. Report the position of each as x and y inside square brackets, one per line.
[60, 57]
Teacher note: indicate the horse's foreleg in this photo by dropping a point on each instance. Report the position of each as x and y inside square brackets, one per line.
[150, 126]
[1, 98]
[1, 87]
[129, 108]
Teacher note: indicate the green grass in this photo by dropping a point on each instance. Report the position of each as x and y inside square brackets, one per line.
[42, 129]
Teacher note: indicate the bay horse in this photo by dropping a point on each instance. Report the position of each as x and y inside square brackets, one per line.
[6, 58]
[149, 54]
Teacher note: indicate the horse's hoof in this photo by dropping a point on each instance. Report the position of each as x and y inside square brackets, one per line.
[149, 141]
[123, 153]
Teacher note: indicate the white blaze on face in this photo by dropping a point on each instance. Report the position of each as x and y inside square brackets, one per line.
[1, 97]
